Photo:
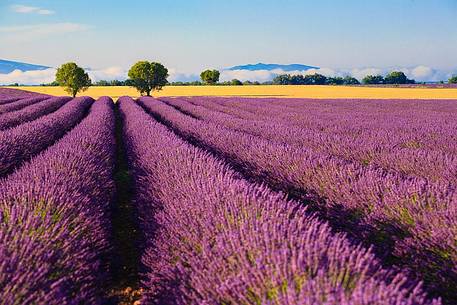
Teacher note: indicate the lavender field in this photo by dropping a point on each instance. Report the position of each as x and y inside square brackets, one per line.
[212, 200]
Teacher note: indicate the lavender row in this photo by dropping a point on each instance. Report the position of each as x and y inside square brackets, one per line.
[54, 217]
[7, 100]
[20, 143]
[213, 238]
[30, 113]
[371, 146]
[411, 221]
[7, 94]
[20, 104]
[433, 165]
[416, 125]
[430, 121]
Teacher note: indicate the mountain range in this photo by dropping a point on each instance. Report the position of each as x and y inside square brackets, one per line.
[7, 66]
[270, 67]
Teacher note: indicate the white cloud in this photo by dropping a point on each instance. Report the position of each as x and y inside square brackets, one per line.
[176, 76]
[110, 73]
[24, 9]
[360, 73]
[120, 73]
[420, 73]
[243, 75]
[28, 77]
[267, 75]
[48, 76]
[18, 33]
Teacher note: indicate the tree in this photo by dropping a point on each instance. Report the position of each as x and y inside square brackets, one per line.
[73, 78]
[283, 79]
[148, 76]
[373, 80]
[335, 81]
[317, 79]
[397, 77]
[236, 82]
[287, 79]
[102, 83]
[453, 80]
[349, 80]
[210, 77]
[129, 82]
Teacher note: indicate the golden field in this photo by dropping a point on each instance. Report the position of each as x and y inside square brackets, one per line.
[268, 91]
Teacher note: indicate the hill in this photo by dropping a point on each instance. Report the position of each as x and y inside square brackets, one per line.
[7, 66]
[270, 67]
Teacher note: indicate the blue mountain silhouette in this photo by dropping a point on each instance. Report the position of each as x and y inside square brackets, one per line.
[7, 66]
[269, 67]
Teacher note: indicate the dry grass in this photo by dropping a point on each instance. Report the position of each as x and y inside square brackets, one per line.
[270, 91]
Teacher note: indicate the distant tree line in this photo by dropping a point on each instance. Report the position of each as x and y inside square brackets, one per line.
[393, 78]
[233, 82]
[313, 79]
[115, 82]
[149, 76]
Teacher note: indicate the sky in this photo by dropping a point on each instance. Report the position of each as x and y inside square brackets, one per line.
[340, 36]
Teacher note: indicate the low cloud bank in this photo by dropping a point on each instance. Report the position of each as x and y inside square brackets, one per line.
[110, 73]
[28, 77]
[419, 73]
[48, 76]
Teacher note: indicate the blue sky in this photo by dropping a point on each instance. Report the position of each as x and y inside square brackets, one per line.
[189, 35]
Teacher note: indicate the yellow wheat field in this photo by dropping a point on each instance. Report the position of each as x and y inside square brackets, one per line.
[270, 91]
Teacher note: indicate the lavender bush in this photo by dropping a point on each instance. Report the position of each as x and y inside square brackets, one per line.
[20, 104]
[24, 141]
[10, 95]
[412, 220]
[6, 100]
[213, 238]
[422, 145]
[30, 113]
[54, 217]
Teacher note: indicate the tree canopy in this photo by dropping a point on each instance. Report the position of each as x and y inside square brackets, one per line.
[349, 80]
[210, 77]
[287, 79]
[148, 76]
[313, 79]
[236, 82]
[397, 77]
[73, 78]
[453, 80]
[373, 80]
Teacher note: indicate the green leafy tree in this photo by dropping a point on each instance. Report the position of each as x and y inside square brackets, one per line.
[397, 77]
[73, 78]
[453, 80]
[283, 79]
[373, 80]
[287, 79]
[236, 82]
[335, 81]
[148, 76]
[349, 80]
[317, 79]
[210, 77]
